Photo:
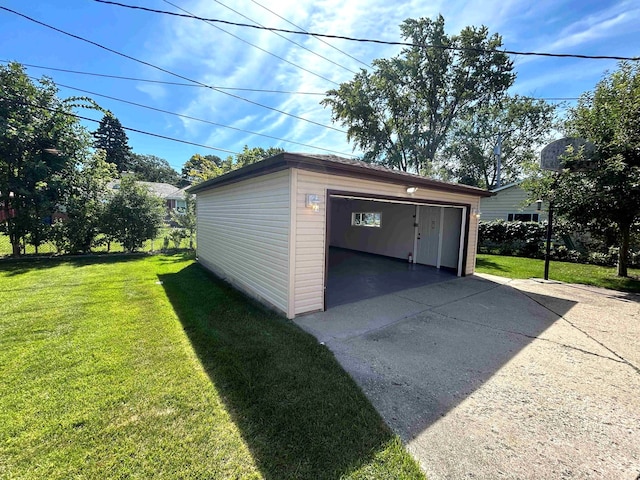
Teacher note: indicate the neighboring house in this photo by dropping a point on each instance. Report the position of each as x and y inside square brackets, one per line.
[508, 203]
[267, 228]
[172, 195]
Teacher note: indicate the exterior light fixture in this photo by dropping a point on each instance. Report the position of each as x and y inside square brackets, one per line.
[312, 201]
[475, 212]
[412, 190]
[538, 204]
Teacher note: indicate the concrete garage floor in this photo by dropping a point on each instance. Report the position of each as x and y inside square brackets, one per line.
[355, 276]
[484, 377]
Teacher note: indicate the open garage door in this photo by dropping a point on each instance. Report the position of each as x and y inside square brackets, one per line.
[378, 246]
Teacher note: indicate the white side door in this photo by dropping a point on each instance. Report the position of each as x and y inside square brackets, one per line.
[429, 220]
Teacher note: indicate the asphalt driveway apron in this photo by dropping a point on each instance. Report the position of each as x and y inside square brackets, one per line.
[483, 377]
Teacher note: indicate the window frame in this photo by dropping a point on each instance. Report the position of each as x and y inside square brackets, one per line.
[357, 219]
[533, 217]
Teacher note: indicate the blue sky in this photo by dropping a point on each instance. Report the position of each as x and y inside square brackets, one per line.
[207, 54]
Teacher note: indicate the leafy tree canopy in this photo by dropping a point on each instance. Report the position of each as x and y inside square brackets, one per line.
[606, 195]
[111, 137]
[40, 144]
[400, 113]
[133, 215]
[522, 124]
[84, 201]
[249, 156]
[149, 168]
[199, 168]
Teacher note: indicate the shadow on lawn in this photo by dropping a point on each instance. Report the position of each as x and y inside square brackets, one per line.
[19, 266]
[300, 414]
[485, 263]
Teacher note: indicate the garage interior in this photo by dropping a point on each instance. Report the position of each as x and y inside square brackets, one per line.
[381, 246]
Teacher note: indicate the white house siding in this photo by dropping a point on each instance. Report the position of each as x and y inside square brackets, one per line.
[310, 232]
[507, 201]
[243, 235]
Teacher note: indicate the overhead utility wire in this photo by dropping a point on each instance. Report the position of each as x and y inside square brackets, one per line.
[200, 86]
[288, 39]
[164, 82]
[124, 55]
[368, 40]
[317, 38]
[141, 105]
[130, 129]
[256, 46]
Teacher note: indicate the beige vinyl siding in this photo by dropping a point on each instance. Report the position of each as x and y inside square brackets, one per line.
[509, 200]
[310, 231]
[243, 235]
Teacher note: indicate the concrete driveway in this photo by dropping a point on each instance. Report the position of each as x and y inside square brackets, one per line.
[483, 377]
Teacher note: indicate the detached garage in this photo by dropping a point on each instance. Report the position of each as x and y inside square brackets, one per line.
[273, 228]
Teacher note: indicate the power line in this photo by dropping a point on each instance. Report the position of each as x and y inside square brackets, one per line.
[124, 55]
[130, 129]
[149, 107]
[164, 82]
[256, 46]
[222, 88]
[288, 39]
[368, 40]
[317, 38]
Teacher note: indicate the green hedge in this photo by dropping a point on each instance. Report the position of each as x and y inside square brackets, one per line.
[528, 239]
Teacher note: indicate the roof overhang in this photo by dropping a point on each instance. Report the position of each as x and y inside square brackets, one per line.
[344, 167]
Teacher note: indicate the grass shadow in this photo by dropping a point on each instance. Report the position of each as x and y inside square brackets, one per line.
[300, 414]
[484, 263]
[19, 266]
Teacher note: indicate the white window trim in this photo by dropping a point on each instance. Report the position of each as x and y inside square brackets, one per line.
[355, 224]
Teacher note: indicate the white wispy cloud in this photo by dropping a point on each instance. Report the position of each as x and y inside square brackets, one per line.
[211, 56]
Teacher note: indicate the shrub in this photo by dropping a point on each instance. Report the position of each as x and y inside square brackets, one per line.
[511, 238]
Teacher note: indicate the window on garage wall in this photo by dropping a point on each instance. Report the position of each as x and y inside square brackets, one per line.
[366, 219]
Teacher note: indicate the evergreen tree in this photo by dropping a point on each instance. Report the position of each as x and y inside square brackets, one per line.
[111, 137]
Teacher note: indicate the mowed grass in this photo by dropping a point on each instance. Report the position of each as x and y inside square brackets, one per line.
[517, 267]
[108, 373]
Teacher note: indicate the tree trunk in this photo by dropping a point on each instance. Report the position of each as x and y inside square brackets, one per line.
[623, 255]
[15, 245]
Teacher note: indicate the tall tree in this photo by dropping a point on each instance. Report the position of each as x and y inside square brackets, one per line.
[401, 112]
[149, 168]
[40, 144]
[520, 124]
[111, 137]
[604, 194]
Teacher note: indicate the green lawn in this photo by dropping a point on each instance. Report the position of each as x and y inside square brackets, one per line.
[147, 367]
[517, 267]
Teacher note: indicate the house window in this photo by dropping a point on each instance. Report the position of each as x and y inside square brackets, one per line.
[523, 217]
[366, 219]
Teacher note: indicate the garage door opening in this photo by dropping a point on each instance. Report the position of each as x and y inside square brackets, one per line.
[381, 246]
